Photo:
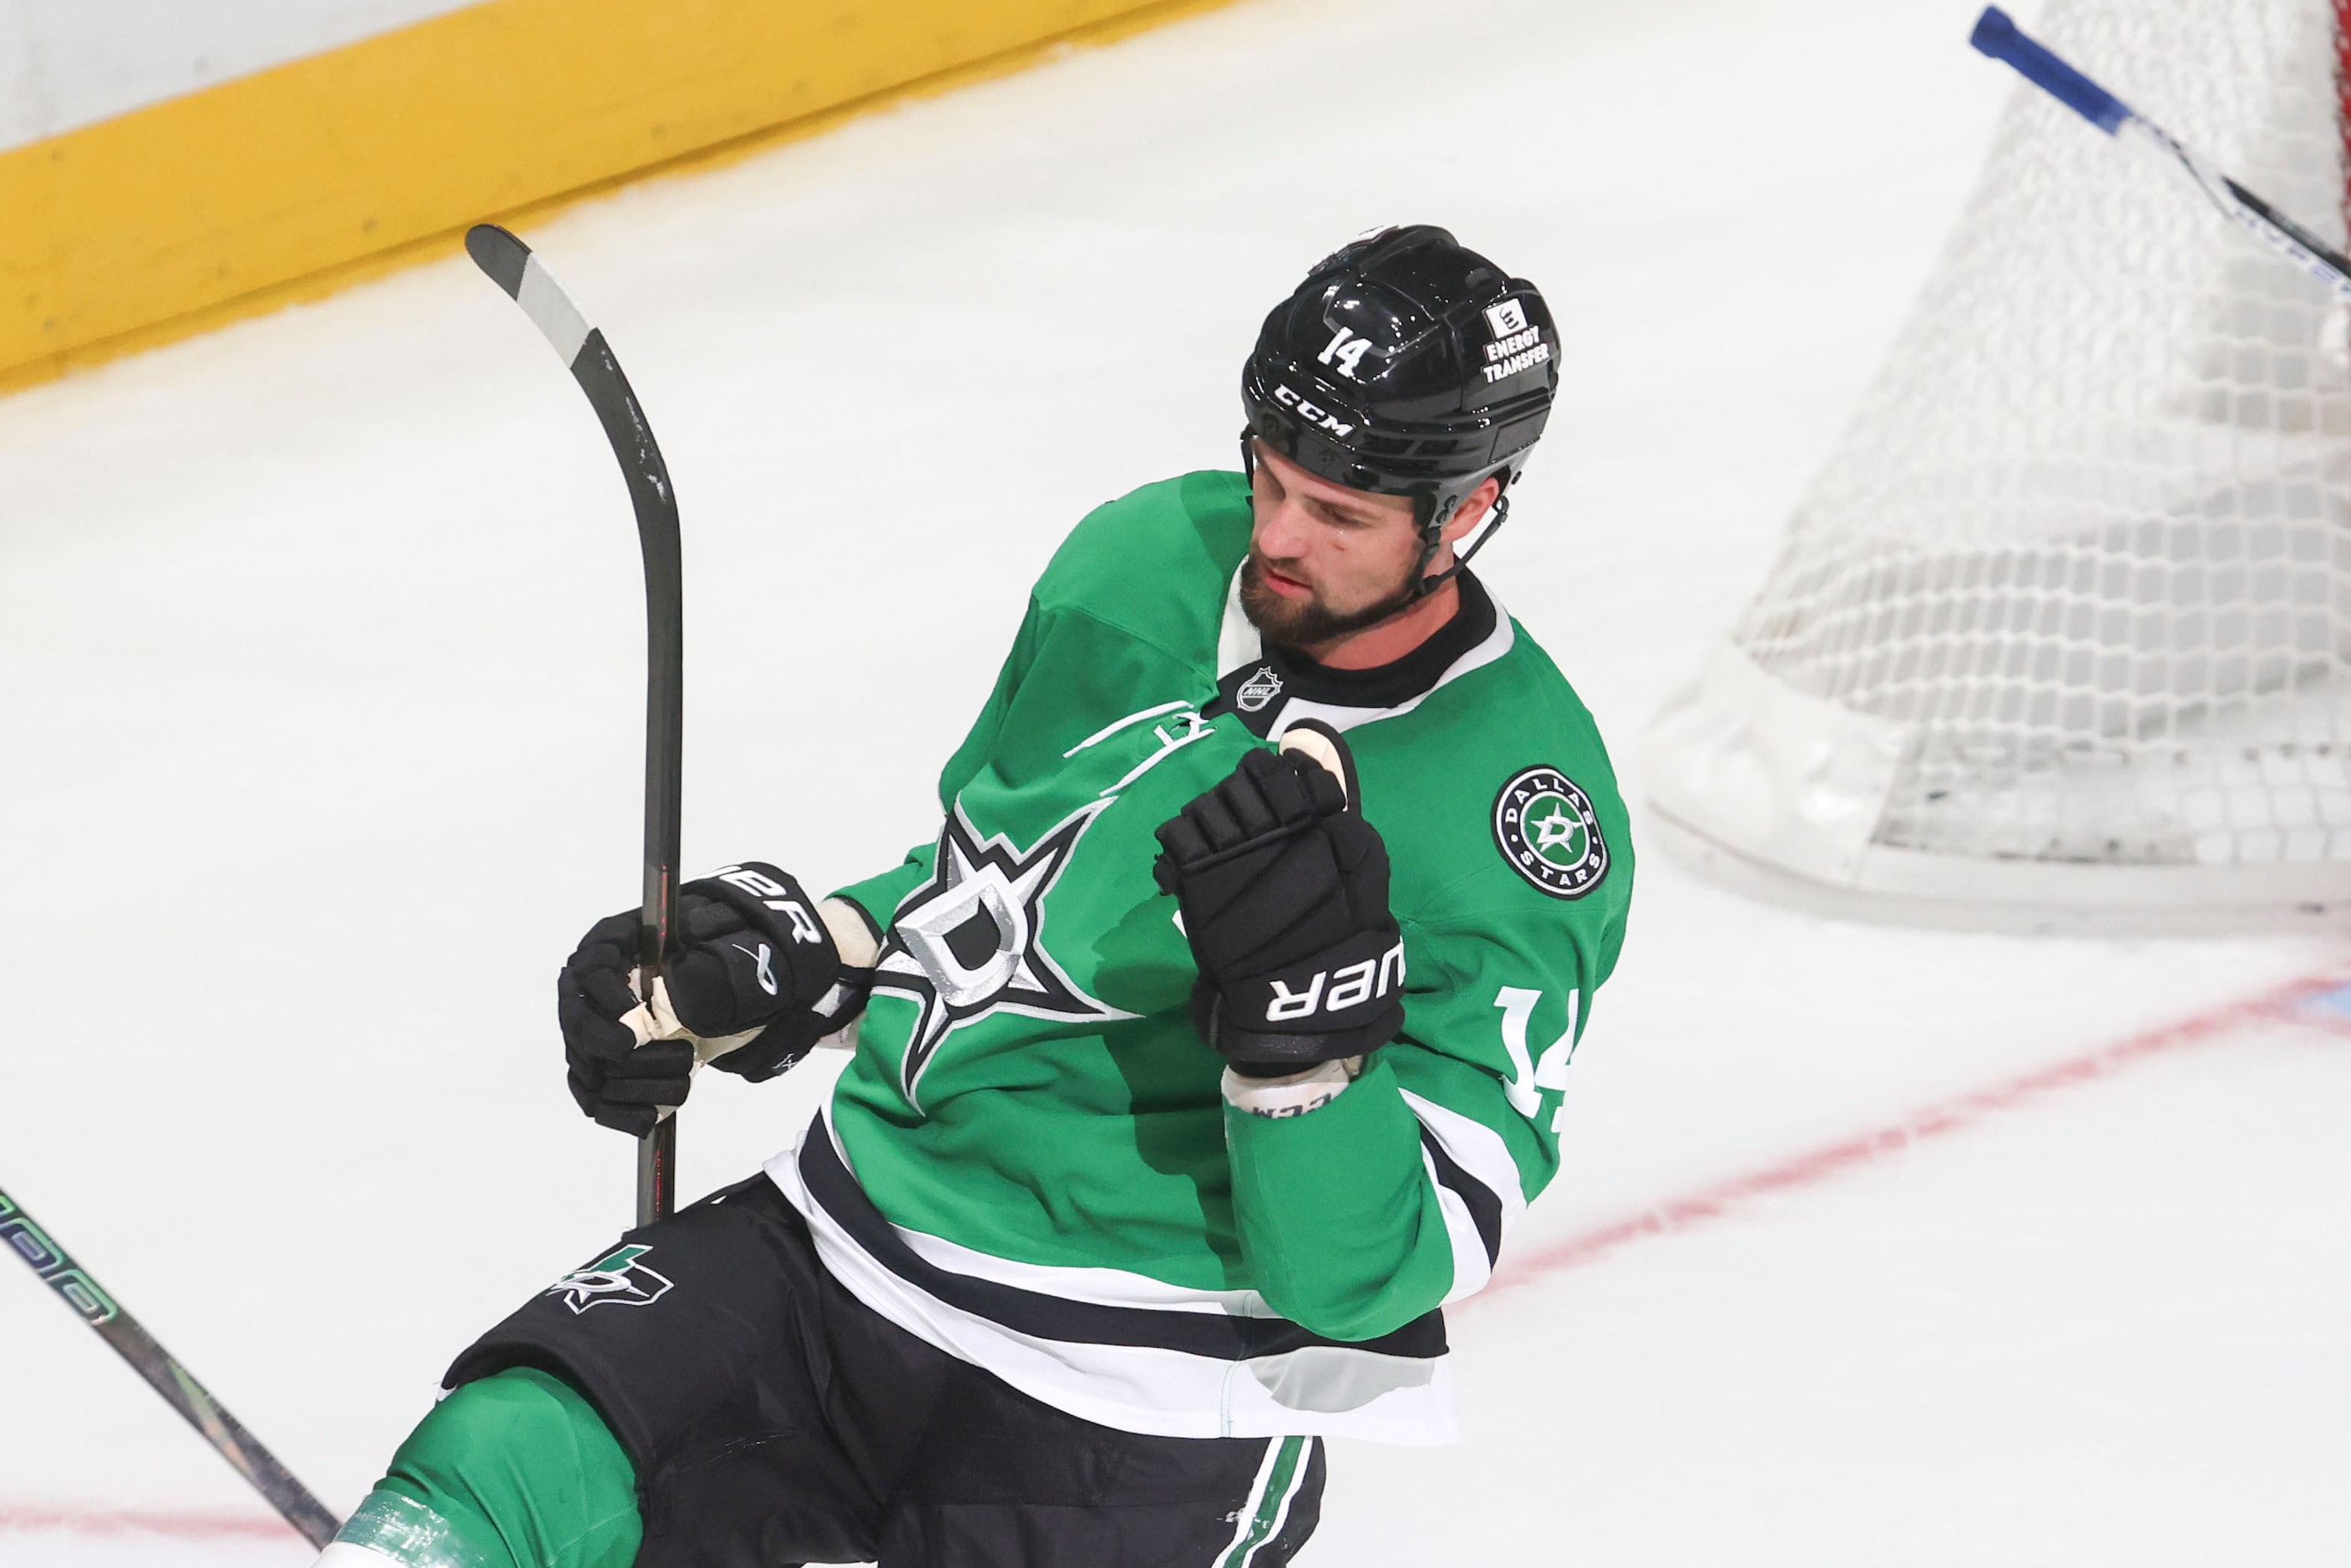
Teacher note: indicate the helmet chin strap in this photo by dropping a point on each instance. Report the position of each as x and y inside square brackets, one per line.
[1432, 535]
[1424, 581]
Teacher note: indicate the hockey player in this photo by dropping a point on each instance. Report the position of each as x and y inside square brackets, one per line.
[1212, 1045]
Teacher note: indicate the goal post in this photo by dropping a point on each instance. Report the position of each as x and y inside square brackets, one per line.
[2060, 635]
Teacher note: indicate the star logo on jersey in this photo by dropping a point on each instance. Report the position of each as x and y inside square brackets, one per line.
[1547, 830]
[617, 1279]
[970, 941]
[1559, 837]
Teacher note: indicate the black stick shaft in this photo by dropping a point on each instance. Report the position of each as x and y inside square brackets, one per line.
[511, 265]
[166, 1377]
[599, 376]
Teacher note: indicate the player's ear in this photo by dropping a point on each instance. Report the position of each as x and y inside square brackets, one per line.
[1472, 510]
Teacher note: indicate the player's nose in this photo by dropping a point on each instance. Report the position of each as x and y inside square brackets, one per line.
[1282, 532]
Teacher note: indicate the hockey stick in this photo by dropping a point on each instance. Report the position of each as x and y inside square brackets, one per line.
[167, 1376]
[1997, 35]
[511, 265]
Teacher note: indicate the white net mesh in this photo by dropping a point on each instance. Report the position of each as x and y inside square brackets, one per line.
[2088, 542]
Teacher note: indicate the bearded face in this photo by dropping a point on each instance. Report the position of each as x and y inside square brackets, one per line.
[1305, 621]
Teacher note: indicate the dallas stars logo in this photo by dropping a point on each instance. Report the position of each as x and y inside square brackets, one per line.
[1547, 830]
[970, 941]
[617, 1279]
[1559, 837]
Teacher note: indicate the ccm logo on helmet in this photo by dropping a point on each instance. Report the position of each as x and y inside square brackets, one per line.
[1335, 991]
[1320, 417]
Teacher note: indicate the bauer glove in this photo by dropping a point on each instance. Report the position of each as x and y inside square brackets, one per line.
[1284, 890]
[754, 979]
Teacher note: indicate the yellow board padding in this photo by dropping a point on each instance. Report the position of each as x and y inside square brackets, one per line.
[300, 180]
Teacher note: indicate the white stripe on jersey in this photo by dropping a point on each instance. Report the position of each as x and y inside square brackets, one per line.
[1478, 1150]
[1333, 1390]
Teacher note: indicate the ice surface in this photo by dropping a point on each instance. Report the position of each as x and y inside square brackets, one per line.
[319, 672]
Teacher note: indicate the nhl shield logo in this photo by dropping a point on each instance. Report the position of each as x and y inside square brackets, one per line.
[617, 1279]
[1547, 830]
[1258, 690]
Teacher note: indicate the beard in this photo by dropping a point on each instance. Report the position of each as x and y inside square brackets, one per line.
[1304, 623]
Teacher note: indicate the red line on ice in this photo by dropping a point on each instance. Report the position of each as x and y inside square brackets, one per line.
[180, 1526]
[1934, 1120]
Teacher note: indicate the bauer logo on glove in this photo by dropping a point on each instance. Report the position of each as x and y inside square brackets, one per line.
[1348, 988]
[1284, 888]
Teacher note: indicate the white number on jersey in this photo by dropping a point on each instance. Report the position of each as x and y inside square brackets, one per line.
[1529, 1076]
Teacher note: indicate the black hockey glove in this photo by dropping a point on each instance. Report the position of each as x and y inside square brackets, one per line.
[752, 977]
[1284, 888]
[616, 1080]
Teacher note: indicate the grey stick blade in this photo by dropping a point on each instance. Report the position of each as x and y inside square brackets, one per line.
[510, 265]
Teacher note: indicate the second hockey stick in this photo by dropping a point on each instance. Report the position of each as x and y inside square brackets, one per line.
[1998, 36]
[511, 265]
[166, 1377]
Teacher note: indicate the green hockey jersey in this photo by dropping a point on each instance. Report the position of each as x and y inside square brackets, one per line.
[1028, 1162]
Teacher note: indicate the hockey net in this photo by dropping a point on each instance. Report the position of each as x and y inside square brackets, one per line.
[2060, 631]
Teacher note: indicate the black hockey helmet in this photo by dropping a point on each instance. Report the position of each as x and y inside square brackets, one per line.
[1406, 365]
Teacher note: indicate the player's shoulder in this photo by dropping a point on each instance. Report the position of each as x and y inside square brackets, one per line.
[1175, 542]
[1558, 766]
[1506, 698]
[1527, 698]
[1514, 794]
